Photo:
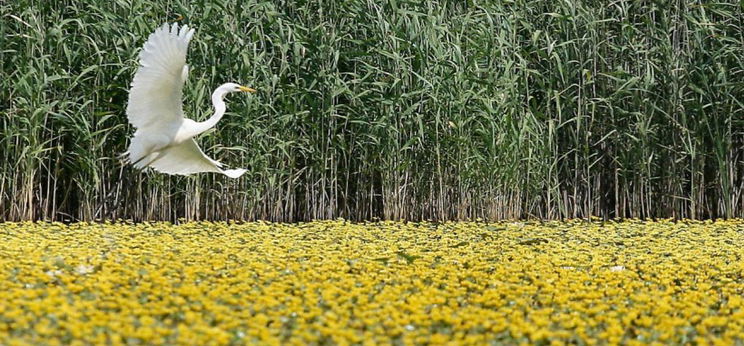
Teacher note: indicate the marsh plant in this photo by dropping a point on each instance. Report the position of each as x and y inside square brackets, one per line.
[391, 109]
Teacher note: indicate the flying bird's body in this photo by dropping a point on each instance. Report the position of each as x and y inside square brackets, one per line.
[164, 139]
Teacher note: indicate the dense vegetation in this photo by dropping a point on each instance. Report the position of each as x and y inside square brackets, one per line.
[392, 109]
[404, 283]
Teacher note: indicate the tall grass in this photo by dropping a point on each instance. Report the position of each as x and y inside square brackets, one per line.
[392, 109]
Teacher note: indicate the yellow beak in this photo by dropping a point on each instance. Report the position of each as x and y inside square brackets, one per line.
[247, 89]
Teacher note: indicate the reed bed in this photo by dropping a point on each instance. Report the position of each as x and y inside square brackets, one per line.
[386, 109]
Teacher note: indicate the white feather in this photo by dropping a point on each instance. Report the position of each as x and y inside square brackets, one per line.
[164, 138]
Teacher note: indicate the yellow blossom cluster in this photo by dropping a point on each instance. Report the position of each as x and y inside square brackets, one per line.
[336, 282]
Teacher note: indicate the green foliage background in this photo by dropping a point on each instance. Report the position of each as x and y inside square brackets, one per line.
[392, 109]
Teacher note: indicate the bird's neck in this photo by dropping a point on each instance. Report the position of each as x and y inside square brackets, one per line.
[219, 111]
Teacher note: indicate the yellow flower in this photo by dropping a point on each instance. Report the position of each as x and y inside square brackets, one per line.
[629, 282]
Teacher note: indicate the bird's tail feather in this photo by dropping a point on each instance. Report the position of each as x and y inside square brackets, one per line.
[234, 173]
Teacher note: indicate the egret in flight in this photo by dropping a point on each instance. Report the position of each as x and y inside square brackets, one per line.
[164, 139]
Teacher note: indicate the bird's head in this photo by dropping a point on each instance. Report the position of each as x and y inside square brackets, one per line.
[227, 88]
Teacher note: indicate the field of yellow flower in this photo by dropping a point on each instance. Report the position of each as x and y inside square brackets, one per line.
[377, 282]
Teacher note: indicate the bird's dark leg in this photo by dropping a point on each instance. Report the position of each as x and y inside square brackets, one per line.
[160, 154]
[140, 159]
[160, 151]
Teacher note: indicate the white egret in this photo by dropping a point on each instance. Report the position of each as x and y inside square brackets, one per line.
[164, 139]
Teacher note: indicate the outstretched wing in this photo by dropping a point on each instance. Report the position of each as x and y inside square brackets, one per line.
[187, 158]
[156, 93]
